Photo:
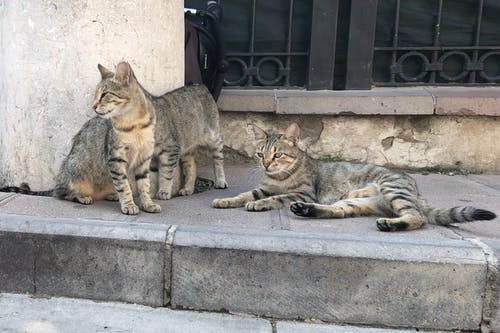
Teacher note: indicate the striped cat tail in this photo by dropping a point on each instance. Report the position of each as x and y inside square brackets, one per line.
[457, 215]
[24, 188]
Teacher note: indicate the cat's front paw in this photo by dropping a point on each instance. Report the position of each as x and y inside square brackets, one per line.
[257, 206]
[186, 191]
[221, 203]
[151, 207]
[302, 209]
[164, 195]
[130, 209]
[220, 183]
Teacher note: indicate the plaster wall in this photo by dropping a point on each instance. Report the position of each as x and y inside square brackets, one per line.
[48, 71]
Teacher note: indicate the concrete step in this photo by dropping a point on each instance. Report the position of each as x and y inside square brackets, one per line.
[24, 314]
[440, 284]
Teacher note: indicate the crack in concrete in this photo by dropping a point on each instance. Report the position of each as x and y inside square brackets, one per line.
[34, 273]
[490, 294]
[167, 268]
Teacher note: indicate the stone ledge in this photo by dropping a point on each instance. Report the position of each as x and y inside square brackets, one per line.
[460, 101]
[100, 260]
[282, 274]
[328, 277]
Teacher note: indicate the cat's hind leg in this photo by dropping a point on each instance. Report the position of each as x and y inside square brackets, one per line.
[400, 196]
[344, 208]
[371, 190]
[405, 222]
[188, 164]
[76, 191]
[408, 216]
[112, 197]
[218, 160]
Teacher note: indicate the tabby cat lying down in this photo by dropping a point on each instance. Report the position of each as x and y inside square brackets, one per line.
[321, 189]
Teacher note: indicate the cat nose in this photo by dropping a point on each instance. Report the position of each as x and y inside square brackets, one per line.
[94, 106]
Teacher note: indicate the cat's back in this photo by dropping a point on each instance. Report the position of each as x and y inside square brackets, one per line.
[185, 103]
[88, 146]
[347, 174]
[187, 115]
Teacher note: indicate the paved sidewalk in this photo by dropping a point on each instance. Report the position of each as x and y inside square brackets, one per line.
[482, 191]
[272, 264]
[24, 314]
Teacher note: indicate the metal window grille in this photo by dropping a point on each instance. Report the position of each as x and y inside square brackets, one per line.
[357, 44]
[441, 61]
[272, 56]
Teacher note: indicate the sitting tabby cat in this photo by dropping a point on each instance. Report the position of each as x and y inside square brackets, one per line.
[117, 144]
[323, 189]
[186, 119]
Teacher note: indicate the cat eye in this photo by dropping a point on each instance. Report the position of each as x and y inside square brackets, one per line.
[109, 93]
[278, 155]
[259, 155]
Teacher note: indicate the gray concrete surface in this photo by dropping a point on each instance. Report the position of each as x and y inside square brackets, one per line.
[384, 281]
[295, 327]
[23, 314]
[88, 259]
[271, 263]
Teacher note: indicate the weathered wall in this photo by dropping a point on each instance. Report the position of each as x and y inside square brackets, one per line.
[396, 141]
[48, 70]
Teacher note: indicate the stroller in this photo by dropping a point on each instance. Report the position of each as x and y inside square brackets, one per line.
[204, 48]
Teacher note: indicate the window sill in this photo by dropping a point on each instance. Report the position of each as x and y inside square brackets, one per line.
[457, 101]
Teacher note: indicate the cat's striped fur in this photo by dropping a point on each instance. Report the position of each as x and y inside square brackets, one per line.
[188, 119]
[322, 189]
[110, 148]
[174, 125]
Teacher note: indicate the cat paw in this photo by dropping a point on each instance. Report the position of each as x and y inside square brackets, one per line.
[302, 209]
[130, 209]
[164, 195]
[220, 183]
[186, 191]
[151, 207]
[221, 203]
[84, 200]
[386, 225]
[256, 206]
[112, 197]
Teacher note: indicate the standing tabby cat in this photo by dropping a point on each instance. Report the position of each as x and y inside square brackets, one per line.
[339, 189]
[117, 144]
[188, 119]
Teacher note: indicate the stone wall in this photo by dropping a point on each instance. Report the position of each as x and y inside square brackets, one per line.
[48, 71]
[426, 141]
[415, 127]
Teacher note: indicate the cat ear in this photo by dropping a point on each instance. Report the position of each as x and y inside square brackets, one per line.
[103, 70]
[292, 133]
[259, 133]
[123, 73]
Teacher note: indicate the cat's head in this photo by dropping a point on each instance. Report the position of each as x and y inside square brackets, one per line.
[115, 90]
[277, 152]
